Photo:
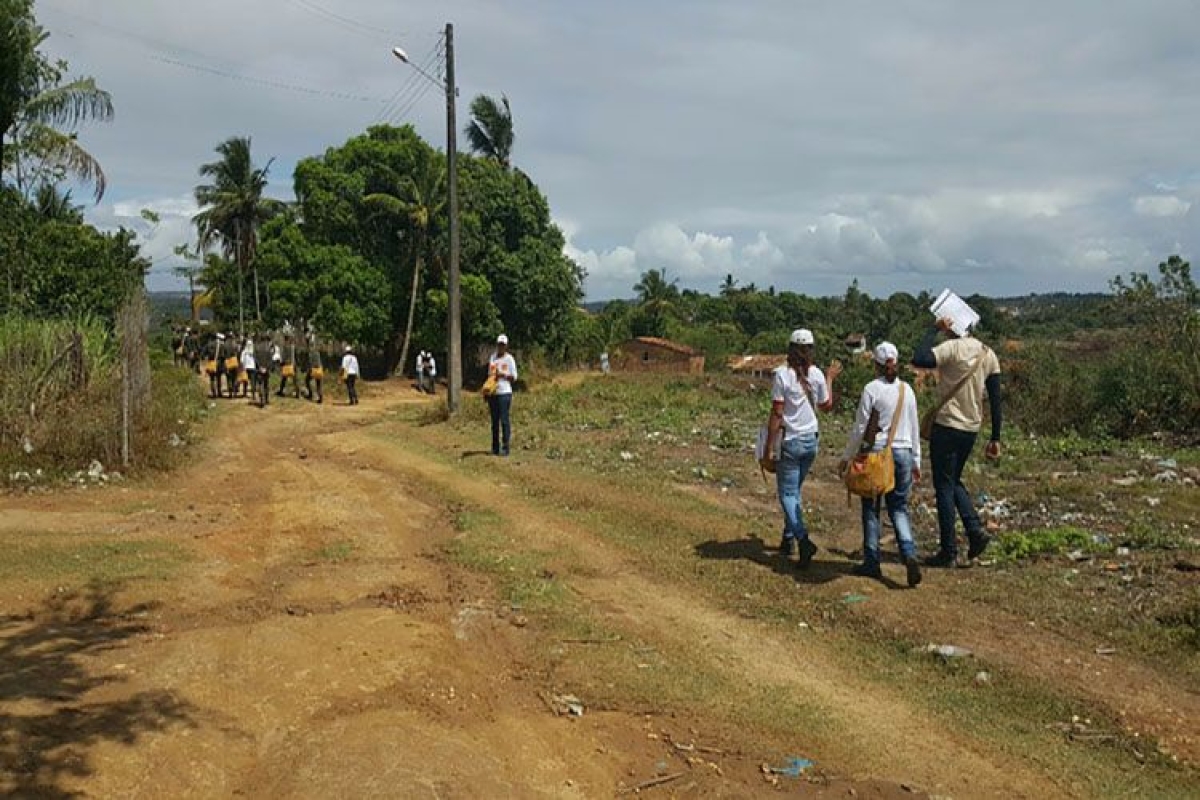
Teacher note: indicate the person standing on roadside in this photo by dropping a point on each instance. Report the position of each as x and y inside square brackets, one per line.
[246, 373]
[350, 373]
[315, 372]
[967, 369]
[872, 432]
[503, 368]
[798, 391]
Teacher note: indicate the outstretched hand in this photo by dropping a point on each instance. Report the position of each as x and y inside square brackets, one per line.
[835, 369]
[992, 451]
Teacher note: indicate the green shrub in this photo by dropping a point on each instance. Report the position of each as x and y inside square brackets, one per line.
[1047, 541]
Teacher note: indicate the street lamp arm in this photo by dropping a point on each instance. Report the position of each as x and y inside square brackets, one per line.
[403, 56]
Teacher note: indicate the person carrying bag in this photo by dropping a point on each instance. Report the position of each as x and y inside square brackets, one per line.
[883, 473]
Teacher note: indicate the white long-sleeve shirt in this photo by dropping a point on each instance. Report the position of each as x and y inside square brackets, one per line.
[882, 396]
[350, 364]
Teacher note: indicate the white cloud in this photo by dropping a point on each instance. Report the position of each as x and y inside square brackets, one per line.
[1160, 205]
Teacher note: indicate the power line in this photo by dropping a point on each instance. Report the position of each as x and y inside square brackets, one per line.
[414, 87]
[272, 84]
[352, 25]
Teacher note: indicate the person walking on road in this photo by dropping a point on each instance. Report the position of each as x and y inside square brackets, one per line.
[799, 390]
[967, 369]
[502, 367]
[350, 374]
[262, 372]
[315, 372]
[872, 432]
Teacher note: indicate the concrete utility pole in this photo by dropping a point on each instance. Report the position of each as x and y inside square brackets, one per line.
[453, 287]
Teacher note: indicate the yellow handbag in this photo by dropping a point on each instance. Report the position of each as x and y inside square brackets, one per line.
[874, 474]
[231, 363]
[489, 386]
[288, 370]
[317, 373]
[210, 367]
[243, 377]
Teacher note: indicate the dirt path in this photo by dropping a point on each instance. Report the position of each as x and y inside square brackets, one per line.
[314, 639]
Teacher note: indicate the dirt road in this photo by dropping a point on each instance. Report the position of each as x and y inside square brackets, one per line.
[295, 617]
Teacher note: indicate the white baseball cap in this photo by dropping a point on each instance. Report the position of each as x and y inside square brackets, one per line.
[885, 352]
[348, 348]
[802, 336]
[502, 339]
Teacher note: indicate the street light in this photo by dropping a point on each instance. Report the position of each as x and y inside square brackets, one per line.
[453, 283]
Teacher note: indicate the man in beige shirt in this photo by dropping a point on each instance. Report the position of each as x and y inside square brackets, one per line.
[968, 371]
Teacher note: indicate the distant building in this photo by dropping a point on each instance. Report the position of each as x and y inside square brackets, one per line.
[755, 366]
[651, 354]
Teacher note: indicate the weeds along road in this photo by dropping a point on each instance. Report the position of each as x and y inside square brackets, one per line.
[337, 601]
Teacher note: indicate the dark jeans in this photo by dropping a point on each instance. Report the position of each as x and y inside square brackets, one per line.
[499, 405]
[308, 386]
[949, 450]
[351, 390]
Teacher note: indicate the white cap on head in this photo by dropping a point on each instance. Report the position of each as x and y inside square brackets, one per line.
[502, 339]
[348, 348]
[802, 336]
[885, 352]
[221, 336]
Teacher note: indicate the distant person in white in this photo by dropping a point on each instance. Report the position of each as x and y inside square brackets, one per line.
[872, 426]
[426, 372]
[350, 373]
[503, 367]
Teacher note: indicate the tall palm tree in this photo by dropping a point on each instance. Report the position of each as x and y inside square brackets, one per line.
[39, 113]
[490, 131]
[56, 205]
[233, 209]
[654, 288]
[416, 200]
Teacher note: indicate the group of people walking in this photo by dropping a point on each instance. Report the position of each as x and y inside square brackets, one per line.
[244, 366]
[887, 417]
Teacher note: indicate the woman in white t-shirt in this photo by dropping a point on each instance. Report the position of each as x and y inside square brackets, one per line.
[503, 367]
[879, 400]
[799, 390]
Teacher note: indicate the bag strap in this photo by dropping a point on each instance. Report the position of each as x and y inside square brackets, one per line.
[958, 386]
[896, 416]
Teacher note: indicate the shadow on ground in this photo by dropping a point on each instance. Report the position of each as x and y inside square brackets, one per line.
[755, 550]
[47, 722]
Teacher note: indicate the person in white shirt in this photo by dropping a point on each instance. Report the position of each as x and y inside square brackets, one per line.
[799, 390]
[350, 373]
[426, 372]
[248, 369]
[872, 427]
[503, 367]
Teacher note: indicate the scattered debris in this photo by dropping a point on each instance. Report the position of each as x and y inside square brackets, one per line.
[626, 455]
[948, 651]
[1122, 551]
[174, 440]
[1168, 463]
[850, 599]
[1167, 476]
[95, 470]
[983, 677]
[1078, 555]
[637, 788]
[795, 768]
[1106, 651]
[1154, 502]
[566, 705]
[1128, 481]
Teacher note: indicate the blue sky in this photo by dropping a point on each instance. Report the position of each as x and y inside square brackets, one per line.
[999, 148]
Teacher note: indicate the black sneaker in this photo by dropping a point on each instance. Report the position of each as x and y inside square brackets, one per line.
[978, 543]
[913, 567]
[807, 551]
[941, 559]
[787, 547]
[867, 571]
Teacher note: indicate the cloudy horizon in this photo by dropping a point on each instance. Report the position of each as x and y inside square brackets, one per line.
[909, 145]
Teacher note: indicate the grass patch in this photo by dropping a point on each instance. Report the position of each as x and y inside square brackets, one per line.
[39, 559]
[336, 552]
[1046, 541]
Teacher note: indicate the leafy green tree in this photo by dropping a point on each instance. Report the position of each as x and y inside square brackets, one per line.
[234, 207]
[39, 112]
[490, 131]
[414, 203]
[342, 293]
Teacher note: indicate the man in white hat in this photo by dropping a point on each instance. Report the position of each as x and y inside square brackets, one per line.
[800, 388]
[503, 367]
[350, 372]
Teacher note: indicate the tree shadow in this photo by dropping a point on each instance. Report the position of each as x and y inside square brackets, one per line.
[47, 722]
[754, 549]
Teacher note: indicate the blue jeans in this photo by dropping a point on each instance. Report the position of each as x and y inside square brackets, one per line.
[897, 508]
[790, 471]
[499, 405]
[949, 450]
